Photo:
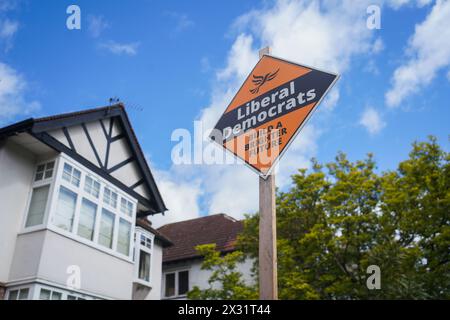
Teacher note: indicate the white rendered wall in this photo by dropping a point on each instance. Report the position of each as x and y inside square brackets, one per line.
[16, 173]
[156, 273]
[199, 277]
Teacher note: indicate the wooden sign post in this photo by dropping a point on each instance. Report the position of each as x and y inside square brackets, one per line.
[266, 114]
[268, 276]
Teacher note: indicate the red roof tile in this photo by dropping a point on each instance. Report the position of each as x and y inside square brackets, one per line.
[186, 235]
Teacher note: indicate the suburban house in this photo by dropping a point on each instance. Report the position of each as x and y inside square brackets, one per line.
[181, 262]
[76, 192]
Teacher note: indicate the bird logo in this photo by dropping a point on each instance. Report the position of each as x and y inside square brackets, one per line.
[260, 80]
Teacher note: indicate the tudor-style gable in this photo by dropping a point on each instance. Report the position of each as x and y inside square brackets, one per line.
[103, 140]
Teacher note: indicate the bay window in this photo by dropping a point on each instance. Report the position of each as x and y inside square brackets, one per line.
[72, 175]
[123, 240]
[126, 207]
[38, 203]
[46, 294]
[81, 205]
[110, 197]
[92, 187]
[65, 210]
[143, 255]
[44, 171]
[19, 294]
[105, 237]
[144, 265]
[87, 219]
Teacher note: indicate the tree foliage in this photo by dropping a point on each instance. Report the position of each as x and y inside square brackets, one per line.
[340, 218]
[226, 281]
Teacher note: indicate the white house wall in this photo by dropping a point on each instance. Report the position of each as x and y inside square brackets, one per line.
[200, 278]
[98, 138]
[27, 256]
[156, 273]
[101, 273]
[16, 173]
[59, 135]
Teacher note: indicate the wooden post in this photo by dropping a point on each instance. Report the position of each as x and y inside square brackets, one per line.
[268, 279]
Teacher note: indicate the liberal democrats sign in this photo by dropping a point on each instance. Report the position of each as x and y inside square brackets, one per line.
[270, 108]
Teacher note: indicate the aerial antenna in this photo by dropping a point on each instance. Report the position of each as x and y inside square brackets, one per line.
[114, 100]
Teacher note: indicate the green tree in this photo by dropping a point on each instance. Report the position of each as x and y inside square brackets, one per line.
[340, 218]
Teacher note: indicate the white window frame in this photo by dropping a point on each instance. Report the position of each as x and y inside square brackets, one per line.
[44, 163]
[30, 292]
[176, 272]
[64, 293]
[137, 250]
[73, 234]
[37, 184]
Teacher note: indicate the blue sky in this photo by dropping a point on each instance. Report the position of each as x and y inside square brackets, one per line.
[173, 62]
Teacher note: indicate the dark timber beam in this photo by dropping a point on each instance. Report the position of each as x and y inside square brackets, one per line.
[69, 139]
[120, 165]
[86, 132]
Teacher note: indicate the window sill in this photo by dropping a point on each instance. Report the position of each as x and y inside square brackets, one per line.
[143, 283]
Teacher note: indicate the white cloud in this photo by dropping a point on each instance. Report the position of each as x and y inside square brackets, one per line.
[429, 52]
[372, 121]
[12, 95]
[182, 20]
[331, 99]
[96, 25]
[396, 4]
[323, 34]
[130, 49]
[8, 29]
[180, 196]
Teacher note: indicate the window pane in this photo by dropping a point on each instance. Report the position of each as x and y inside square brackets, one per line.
[76, 177]
[65, 209]
[23, 294]
[39, 176]
[87, 219]
[183, 282]
[67, 172]
[45, 294]
[113, 202]
[72, 175]
[110, 197]
[69, 297]
[123, 242]
[48, 174]
[92, 187]
[106, 229]
[37, 206]
[13, 295]
[88, 184]
[170, 284]
[144, 266]
[56, 296]
[126, 207]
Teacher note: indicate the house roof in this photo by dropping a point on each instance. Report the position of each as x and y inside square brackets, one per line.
[220, 229]
[145, 224]
[39, 128]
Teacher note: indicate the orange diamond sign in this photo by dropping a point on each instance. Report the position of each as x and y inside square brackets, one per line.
[268, 111]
